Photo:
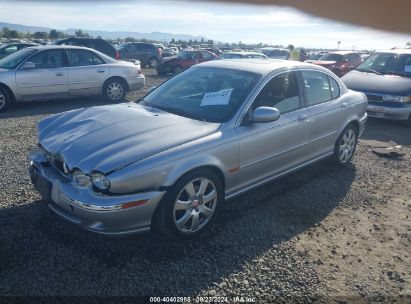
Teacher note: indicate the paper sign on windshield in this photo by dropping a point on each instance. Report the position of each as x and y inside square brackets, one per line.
[219, 98]
[407, 69]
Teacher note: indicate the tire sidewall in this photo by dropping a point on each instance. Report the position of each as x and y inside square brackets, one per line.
[338, 143]
[106, 85]
[165, 218]
[8, 100]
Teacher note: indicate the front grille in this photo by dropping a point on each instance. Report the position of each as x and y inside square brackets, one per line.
[374, 98]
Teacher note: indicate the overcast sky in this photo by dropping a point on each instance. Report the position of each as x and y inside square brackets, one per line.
[221, 22]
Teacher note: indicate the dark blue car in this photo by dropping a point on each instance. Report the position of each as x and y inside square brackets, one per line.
[385, 77]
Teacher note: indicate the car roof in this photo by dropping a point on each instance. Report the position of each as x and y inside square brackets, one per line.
[51, 47]
[342, 52]
[245, 53]
[395, 51]
[258, 66]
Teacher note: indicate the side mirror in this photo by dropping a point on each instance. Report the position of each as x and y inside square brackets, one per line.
[265, 114]
[28, 66]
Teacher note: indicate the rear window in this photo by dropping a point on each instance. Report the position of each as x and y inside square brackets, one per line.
[331, 57]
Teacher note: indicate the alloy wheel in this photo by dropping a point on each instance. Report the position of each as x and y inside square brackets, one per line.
[195, 205]
[153, 63]
[347, 146]
[115, 91]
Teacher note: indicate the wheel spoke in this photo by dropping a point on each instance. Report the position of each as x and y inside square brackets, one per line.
[189, 188]
[195, 220]
[203, 187]
[182, 205]
[206, 211]
[184, 219]
[210, 196]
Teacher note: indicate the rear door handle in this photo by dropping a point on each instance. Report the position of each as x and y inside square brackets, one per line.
[344, 105]
[59, 74]
[101, 71]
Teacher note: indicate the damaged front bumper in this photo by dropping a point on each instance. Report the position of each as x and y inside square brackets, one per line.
[113, 215]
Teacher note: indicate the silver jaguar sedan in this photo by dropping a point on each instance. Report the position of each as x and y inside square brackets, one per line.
[208, 134]
[52, 72]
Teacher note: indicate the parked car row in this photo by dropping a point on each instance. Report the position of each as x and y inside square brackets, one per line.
[50, 72]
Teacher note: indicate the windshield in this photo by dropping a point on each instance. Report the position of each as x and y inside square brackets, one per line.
[13, 60]
[186, 55]
[230, 56]
[331, 57]
[315, 56]
[204, 93]
[387, 64]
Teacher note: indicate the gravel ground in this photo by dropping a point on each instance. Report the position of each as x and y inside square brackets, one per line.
[323, 234]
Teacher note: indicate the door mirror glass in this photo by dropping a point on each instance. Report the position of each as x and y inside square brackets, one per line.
[265, 114]
[28, 66]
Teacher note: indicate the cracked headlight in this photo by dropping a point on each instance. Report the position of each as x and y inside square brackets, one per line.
[80, 178]
[100, 181]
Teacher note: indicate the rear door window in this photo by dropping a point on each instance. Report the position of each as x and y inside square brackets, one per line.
[316, 87]
[83, 58]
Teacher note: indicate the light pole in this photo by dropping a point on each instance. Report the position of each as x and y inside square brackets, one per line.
[338, 43]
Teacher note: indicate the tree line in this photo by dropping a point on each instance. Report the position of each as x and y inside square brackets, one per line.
[53, 34]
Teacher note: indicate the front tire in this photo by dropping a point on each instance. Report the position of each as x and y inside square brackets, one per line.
[190, 207]
[5, 100]
[114, 90]
[346, 145]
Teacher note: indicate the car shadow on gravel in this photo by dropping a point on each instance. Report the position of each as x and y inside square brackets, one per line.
[43, 252]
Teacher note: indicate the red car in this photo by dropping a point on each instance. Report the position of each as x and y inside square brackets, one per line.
[340, 62]
[183, 60]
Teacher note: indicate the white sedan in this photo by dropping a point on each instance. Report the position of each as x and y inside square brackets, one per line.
[54, 72]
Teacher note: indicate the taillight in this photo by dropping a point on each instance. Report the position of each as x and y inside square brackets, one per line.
[117, 55]
[159, 51]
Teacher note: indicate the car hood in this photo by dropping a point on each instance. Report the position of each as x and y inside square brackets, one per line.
[324, 62]
[107, 138]
[379, 84]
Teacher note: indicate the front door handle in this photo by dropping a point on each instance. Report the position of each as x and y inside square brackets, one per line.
[101, 71]
[59, 74]
[302, 117]
[344, 105]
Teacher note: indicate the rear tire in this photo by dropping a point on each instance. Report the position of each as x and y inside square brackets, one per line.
[345, 146]
[190, 207]
[114, 90]
[5, 100]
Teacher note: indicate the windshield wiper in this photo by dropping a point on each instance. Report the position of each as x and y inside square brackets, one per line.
[369, 71]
